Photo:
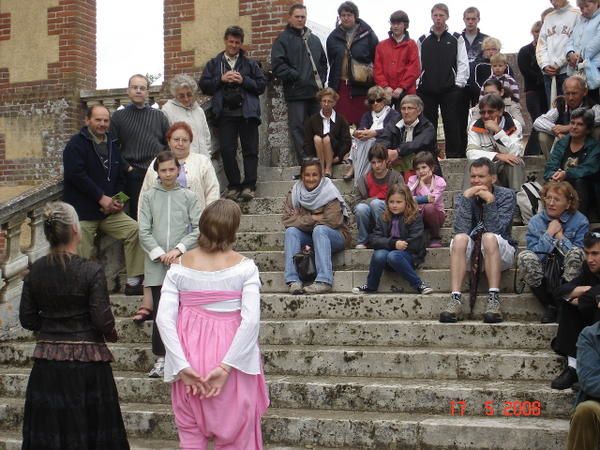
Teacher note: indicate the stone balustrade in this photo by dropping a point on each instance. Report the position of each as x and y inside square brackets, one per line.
[24, 242]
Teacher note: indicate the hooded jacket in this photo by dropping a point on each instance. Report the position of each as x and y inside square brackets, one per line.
[397, 64]
[291, 63]
[86, 179]
[585, 40]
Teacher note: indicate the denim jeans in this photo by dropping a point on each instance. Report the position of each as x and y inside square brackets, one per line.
[399, 261]
[366, 216]
[324, 240]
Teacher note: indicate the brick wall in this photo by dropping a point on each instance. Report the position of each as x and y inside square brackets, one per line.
[46, 110]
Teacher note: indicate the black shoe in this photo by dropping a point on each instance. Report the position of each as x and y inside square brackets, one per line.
[550, 314]
[138, 289]
[565, 380]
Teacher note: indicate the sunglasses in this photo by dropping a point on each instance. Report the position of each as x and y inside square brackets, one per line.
[594, 234]
[372, 101]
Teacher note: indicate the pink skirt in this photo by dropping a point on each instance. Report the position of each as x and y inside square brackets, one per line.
[232, 418]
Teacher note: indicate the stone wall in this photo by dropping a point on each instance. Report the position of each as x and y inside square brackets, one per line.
[47, 54]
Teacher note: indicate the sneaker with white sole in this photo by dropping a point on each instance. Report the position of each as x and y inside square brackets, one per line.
[360, 246]
[317, 288]
[158, 371]
[364, 289]
[492, 313]
[424, 288]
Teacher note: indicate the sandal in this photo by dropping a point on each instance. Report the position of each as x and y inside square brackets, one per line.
[142, 315]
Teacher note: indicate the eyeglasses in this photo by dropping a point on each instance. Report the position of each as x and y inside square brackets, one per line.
[593, 234]
[372, 101]
[139, 88]
[185, 95]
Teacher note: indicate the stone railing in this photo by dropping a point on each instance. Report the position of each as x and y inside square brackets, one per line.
[24, 242]
[114, 98]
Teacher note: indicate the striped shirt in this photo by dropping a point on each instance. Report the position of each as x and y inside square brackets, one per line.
[141, 133]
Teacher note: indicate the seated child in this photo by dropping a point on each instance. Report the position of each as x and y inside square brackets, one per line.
[372, 189]
[398, 242]
[428, 190]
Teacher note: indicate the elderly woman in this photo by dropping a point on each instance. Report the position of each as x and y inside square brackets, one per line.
[195, 173]
[315, 214]
[511, 106]
[576, 158]
[558, 227]
[371, 125]
[352, 42]
[411, 135]
[184, 108]
[326, 133]
[65, 301]
[583, 46]
[490, 47]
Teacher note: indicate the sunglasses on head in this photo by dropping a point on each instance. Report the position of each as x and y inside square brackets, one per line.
[372, 101]
[593, 234]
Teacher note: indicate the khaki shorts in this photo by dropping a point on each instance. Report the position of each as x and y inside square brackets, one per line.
[507, 252]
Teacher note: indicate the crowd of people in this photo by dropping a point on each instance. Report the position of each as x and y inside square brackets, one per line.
[152, 179]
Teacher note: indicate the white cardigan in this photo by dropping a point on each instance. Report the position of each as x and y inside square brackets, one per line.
[243, 354]
[195, 118]
[201, 179]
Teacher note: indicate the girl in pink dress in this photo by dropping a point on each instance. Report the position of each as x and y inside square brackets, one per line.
[209, 319]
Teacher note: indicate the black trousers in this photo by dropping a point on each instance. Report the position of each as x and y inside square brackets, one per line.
[158, 348]
[570, 324]
[298, 112]
[133, 186]
[452, 104]
[230, 128]
[587, 191]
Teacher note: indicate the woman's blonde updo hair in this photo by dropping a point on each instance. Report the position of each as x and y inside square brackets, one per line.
[219, 223]
[59, 218]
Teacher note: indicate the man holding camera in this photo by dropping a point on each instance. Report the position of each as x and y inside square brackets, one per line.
[235, 82]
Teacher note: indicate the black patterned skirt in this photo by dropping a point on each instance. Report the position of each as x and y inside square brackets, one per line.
[72, 405]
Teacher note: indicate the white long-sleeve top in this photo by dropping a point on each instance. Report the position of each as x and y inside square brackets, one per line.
[485, 145]
[243, 354]
[546, 122]
[554, 35]
[195, 118]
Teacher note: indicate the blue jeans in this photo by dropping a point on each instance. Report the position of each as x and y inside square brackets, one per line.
[399, 261]
[367, 215]
[324, 240]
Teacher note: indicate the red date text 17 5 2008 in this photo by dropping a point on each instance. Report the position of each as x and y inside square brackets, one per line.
[490, 408]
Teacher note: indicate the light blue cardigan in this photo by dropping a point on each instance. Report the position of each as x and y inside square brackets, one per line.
[585, 40]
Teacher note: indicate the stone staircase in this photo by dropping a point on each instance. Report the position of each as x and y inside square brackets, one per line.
[356, 372]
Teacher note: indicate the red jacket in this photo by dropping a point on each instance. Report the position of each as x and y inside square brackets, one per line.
[397, 65]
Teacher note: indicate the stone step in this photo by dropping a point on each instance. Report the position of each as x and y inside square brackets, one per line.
[449, 166]
[430, 333]
[515, 307]
[355, 393]
[273, 260]
[356, 429]
[344, 281]
[367, 361]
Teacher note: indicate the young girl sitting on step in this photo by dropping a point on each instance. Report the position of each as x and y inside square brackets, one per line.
[398, 242]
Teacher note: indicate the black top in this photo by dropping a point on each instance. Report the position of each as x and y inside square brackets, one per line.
[66, 303]
[532, 74]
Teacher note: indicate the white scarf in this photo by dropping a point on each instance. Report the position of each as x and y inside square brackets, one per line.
[409, 129]
[378, 118]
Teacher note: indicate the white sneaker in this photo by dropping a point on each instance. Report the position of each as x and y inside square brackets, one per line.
[360, 246]
[158, 371]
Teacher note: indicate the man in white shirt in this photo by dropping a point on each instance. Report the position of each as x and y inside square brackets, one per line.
[496, 136]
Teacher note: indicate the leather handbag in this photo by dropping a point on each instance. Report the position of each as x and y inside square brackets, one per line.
[305, 264]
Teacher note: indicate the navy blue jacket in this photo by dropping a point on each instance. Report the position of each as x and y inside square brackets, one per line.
[86, 179]
[254, 84]
[363, 51]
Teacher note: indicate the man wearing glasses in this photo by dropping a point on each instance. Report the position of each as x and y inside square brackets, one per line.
[140, 130]
[583, 298]
[497, 137]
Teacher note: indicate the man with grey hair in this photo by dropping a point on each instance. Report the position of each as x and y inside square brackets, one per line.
[299, 60]
[183, 107]
[141, 132]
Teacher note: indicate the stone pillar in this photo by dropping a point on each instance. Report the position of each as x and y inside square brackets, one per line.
[193, 32]
[47, 54]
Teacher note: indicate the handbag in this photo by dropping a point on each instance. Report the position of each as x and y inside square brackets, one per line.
[553, 269]
[360, 74]
[305, 264]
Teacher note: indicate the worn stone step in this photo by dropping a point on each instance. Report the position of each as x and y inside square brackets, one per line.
[356, 429]
[353, 393]
[406, 362]
[345, 280]
[517, 335]
[403, 362]
[520, 307]
[449, 166]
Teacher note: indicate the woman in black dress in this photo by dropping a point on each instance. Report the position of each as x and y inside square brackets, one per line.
[71, 401]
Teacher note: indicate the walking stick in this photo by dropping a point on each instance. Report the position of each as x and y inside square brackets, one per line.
[475, 263]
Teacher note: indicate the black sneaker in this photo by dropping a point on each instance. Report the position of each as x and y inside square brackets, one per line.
[565, 380]
[363, 290]
[138, 289]
[424, 288]
[550, 314]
